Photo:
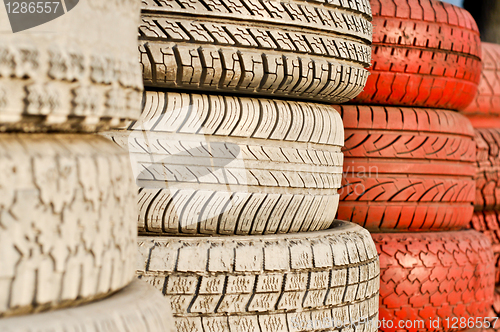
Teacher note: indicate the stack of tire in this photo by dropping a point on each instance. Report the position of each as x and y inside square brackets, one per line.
[67, 207]
[237, 156]
[409, 168]
[484, 113]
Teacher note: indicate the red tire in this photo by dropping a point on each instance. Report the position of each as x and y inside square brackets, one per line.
[425, 53]
[488, 169]
[484, 111]
[496, 306]
[407, 168]
[488, 223]
[427, 276]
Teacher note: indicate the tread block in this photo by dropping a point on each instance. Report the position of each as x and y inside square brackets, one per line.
[273, 278]
[439, 274]
[308, 50]
[425, 54]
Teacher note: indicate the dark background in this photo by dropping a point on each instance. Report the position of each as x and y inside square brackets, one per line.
[487, 15]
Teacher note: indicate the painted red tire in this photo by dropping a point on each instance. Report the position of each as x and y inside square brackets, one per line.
[407, 168]
[496, 306]
[425, 53]
[484, 111]
[488, 223]
[488, 169]
[434, 275]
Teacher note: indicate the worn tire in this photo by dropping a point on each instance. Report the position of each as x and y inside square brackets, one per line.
[138, 307]
[266, 283]
[425, 53]
[484, 111]
[67, 221]
[487, 169]
[78, 72]
[407, 168]
[298, 49]
[434, 275]
[230, 165]
[488, 223]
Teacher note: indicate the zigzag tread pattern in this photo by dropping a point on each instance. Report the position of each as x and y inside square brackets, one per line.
[441, 274]
[264, 73]
[487, 100]
[256, 8]
[216, 33]
[425, 54]
[488, 169]
[267, 280]
[211, 54]
[280, 15]
[67, 228]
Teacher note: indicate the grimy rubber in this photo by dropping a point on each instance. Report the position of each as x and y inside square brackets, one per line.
[407, 169]
[296, 49]
[425, 53]
[266, 283]
[426, 276]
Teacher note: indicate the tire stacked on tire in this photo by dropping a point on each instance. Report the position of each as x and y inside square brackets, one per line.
[409, 167]
[484, 113]
[237, 156]
[67, 206]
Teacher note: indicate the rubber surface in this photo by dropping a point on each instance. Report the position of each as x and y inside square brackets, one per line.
[76, 73]
[488, 223]
[407, 168]
[487, 100]
[425, 54]
[298, 49]
[230, 165]
[67, 226]
[266, 283]
[434, 275]
[138, 307]
[496, 306]
[488, 169]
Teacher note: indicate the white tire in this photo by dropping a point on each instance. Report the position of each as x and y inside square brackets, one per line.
[313, 50]
[232, 165]
[78, 72]
[266, 283]
[67, 221]
[137, 308]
